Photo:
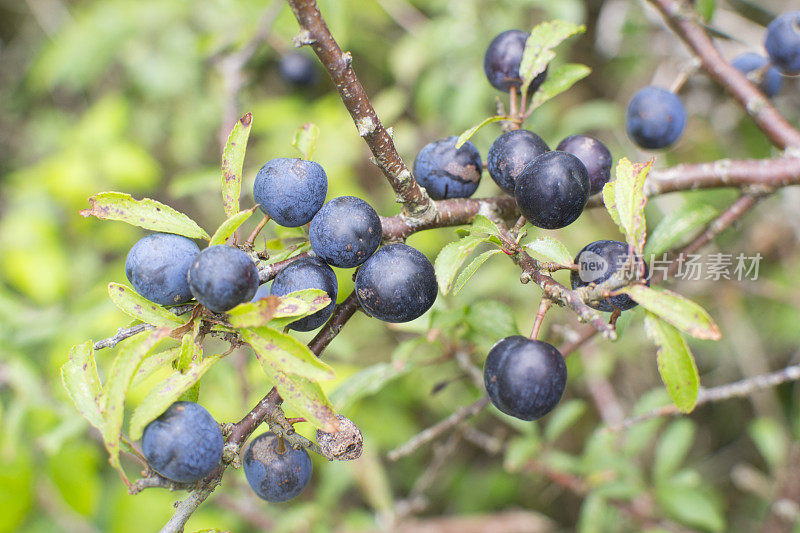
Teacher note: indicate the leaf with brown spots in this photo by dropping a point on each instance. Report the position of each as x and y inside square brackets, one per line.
[80, 378]
[305, 140]
[276, 350]
[132, 304]
[232, 163]
[230, 225]
[630, 200]
[145, 213]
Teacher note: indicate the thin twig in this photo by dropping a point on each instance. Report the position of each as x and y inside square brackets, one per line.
[125, 333]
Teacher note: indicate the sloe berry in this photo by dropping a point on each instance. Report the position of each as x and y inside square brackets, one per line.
[595, 157]
[298, 69]
[222, 277]
[157, 266]
[597, 262]
[655, 118]
[345, 232]
[771, 81]
[290, 191]
[524, 378]
[783, 42]
[396, 284]
[275, 471]
[502, 60]
[446, 172]
[307, 273]
[510, 153]
[552, 190]
[184, 444]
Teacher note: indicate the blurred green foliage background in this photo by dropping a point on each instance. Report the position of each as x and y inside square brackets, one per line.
[136, 95]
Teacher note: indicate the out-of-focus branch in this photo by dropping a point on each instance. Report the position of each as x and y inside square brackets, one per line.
[683, 20]
[417, 206]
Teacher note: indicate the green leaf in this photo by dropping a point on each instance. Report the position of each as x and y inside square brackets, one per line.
[691, 505]
[610, 201]
[305, 140]
[678, 227]
[113, 399]
[682, 313]
[284, 352]
[152, 363]
[451, 257]
[305, 396]
[294, 305]
[80, 378]
[519, 451]
[675, 362]
[481, 225]
[167, 393]
[559, 79]
[630, 200]
[366, 382]
[471, 268]
[539, 48]
[145, 213]
[551, 249]
[706, 8]
[563, 418]
[139, 307]
[230, 226]
[772, 441]
[672, 448]
[232, 163]
[464, 137]
[492, 319]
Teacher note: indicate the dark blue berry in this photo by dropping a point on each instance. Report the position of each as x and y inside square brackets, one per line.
[184, 444]
[502, 60]
[524, 378]
[222, 277]
[290, 191]
[307, 273]
[276, 471]
[752, 65]
[298, 69]
[510, 153]
[783, 42]
[345, 232]
[446, 172]
[595, 157]
[552, 190]
[597, 262]
[655, 118]
[396, 284]
[157, 266]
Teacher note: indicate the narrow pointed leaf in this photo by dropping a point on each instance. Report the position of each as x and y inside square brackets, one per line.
[295, 305]
[166, 393]
[678, 227]
[681, 312]
[481, 225]
[80, 378]
[630, 200]
[306, 397]
[551, 249]
[230, 226]
[539, 48]
[278, 350]
[559, 79]
[232, 163]
[675, 362]
[305, 140]
[154, 362]
[145, 213]
[471, 268]
[139, 307]
[610, 201]
[450, 259]
[116, 388]
[467, 135]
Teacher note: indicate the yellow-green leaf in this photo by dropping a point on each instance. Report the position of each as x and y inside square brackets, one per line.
[305, 140]
[630, 200]
[305, 396]
[676, 363]
[681, 312]
[292, 306]
[230, 225]
[464, 137]
[131, 303]
[551, 249]
[559, 79]
[678, 227]
[232, 163]
[145, 213]
[610, 201]
[471, 268]
[80, 378]
[153, 363]
[166, 393]
[539, 48]
[278, 350]
[450, 259]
